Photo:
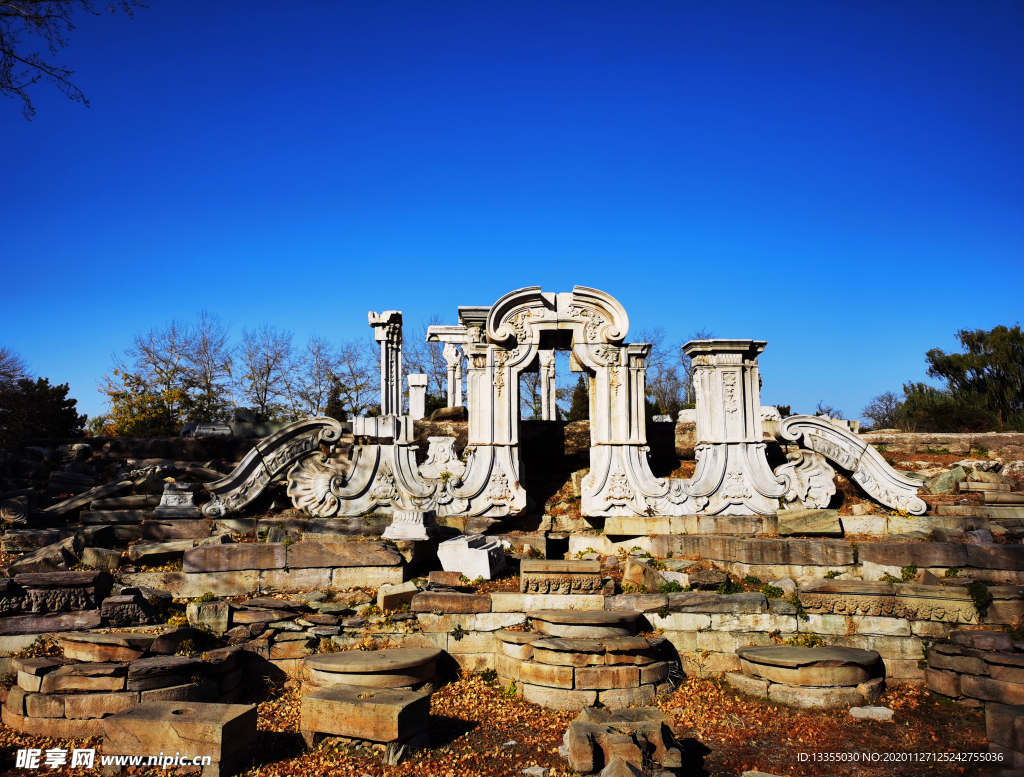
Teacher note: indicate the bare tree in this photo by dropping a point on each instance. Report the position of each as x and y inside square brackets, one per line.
[530, 404]
[12, 367]
[357, 378]
[317, 373]
[209, 360]
[266, 374]
[884, 411]
[828, 410]
[50, 20]
[689, 395]
[161, 363]
[427, 358]
[664, 386]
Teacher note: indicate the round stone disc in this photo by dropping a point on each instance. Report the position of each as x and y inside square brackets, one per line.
[581, 624]
[390, 661]
[517, 637]
[810, 667]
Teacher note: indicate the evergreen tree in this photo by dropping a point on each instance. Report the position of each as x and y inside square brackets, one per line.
[579, 409]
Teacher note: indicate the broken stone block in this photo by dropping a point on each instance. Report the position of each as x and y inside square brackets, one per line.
[213, 616]
[472, 555]
[84, 677]
[100, 648]
[159, 553]
[101, 558]
[131, 610]
[361, 712]
[57, 557]
[871, 713]
[98, 705]
[223, 732]
[178, 501]
[638, 574]
[390, 668]
[818, 667]
[392, 597]
[809, 523]
[600, 736]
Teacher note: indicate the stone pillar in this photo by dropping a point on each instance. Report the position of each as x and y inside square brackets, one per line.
[732, 471]
[417, 396]
[454, 361]
[547, 385]
[387, 330]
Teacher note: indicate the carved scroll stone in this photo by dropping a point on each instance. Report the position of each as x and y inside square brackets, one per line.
[441, 458]
[811, 480]
[869, 470]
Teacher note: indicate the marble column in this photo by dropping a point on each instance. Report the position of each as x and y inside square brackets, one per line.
[387, 330]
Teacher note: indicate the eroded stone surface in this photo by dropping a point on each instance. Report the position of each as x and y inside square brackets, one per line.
[360, 712]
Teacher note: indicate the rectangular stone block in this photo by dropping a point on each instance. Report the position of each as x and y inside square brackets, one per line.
[430, 622]
[606, 677]
[636, 602]
[473, 642]
[44, 705]
[98, 705]
[85, 677]
[193, 586]
[474, 662]
[187, 692]
[287, 580]
[492, 621]
[225, 558]
[902, 669]
[393, 597]
[752, 686]
[988, 689]
[343, 578]
[717, 603]
[654, 673]
[887, 627]
[559, 576]
[177, 530]
[939, 681]
[29, 683]
[53, 728]
[83, 620]
[558, 698]
[680, 621]
[303, 555]
[919, 554]
[506, 666]
[512, 602]
[995, 556]
[435, 602]
[766, 622]
[544, 674]
[909, 648]
[215, 730]
[618, 698]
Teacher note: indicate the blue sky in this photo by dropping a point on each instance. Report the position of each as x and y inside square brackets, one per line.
[842, 179]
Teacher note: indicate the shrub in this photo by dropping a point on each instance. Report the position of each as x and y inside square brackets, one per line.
[671, 587]
[772, 592]
[981, 597]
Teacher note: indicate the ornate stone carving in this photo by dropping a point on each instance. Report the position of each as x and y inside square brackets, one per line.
[540, 576]
[415, 525]
[499, 492]
[384, 489]
[811, 480]
[869, 470]
[270, 458]
[387, 330]
[913, 602]
[314, 487]
[441, 458]
[618, 487]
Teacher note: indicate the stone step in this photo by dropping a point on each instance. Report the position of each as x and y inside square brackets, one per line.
[996, 498]
[115, 516]
[972, 486]
[995, 512]
[126, 503]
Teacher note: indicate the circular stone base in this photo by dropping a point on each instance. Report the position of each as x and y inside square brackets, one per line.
[391, 668]
[819, 667]
[579, 624]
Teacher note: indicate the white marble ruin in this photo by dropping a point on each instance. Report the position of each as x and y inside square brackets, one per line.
[417, 525]
[472, 555]
[177, 501]
[521, 332]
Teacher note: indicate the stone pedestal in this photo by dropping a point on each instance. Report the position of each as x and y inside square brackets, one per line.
[417, 396]
[473, 555]
[732, 475]
[414, 525]
[178, 501]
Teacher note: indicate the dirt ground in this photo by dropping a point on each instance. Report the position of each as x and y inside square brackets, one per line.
[477, 729]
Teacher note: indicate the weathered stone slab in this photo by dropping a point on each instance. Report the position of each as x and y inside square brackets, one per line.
[542, 576]
[85, 498]
[752, 686]
[215, 616]
[473, 555]
[215, 730]
[392, 597]
[813, 698]
[243, 556]
[98, 705]
[390, 668]
[34, 666]
[53, 728]
[618, 698]
[441, 602]
[303, 555]
[989, 689]
[54, 622]
[43, 705]
[919, 554]
[105, 648]
[558, 698]
[717, 603]
[516, 602]
[193, 586]
[607, 677]
[159, 553]
[583, 624]
[184, 529]
[548, 675]
[85, 677]
[995, 556]
[636, 602]
[360, 712]
[57, 557]
[809, 522]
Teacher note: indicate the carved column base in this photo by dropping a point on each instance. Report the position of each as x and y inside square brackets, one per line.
[416, 525]
[735, 479]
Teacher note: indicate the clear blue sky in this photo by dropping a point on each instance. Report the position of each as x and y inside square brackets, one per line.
[842, 179]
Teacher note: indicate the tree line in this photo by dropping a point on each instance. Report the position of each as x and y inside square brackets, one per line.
[983, 388]
[32, 408]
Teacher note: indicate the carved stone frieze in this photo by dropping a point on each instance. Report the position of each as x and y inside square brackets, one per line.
[542, 576]
[913, 602]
